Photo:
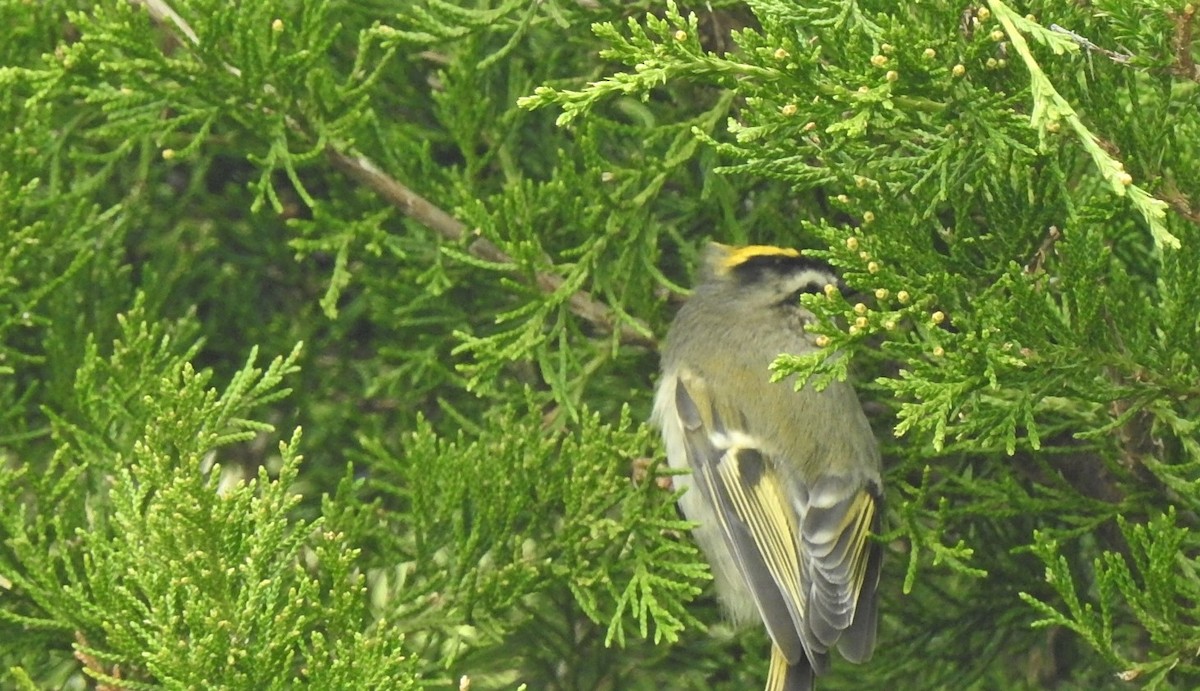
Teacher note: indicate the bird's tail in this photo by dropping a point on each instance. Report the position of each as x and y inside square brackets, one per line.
[788, 677]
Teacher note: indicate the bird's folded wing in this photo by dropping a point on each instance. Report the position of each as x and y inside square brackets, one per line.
[757, 521]
[841, 571]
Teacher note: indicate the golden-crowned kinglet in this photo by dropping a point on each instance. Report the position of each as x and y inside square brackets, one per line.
[784, 484]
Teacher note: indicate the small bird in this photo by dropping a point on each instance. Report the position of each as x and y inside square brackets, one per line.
[784, 485]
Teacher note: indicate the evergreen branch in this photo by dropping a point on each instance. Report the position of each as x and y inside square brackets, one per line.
[1049, 106]
[582, 303]
[630, 330]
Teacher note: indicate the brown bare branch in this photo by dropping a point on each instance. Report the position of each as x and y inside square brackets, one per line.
[429, 215]
[410, 203]
[1185, 65]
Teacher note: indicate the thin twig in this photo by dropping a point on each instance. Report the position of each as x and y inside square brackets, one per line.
[1035, 265]
[421, 210]
[1113, 55]
[164, 14]
[1179, 201]
[413, 205]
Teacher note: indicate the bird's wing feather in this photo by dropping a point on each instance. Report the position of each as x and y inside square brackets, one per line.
[756, 520]
[842, 567]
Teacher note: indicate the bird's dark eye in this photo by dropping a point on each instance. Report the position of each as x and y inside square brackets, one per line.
[793, 298]
[811, 288]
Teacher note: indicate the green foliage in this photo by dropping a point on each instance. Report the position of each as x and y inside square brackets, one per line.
[162, 572]
[1010, 189]
[490, 526]
[1155, 581]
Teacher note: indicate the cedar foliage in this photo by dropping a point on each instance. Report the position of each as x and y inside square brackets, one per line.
[1011, 189]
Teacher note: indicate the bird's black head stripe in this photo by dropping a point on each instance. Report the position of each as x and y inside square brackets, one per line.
[758, 267]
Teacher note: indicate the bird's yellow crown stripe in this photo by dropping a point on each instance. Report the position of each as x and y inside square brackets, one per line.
[738, 255]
